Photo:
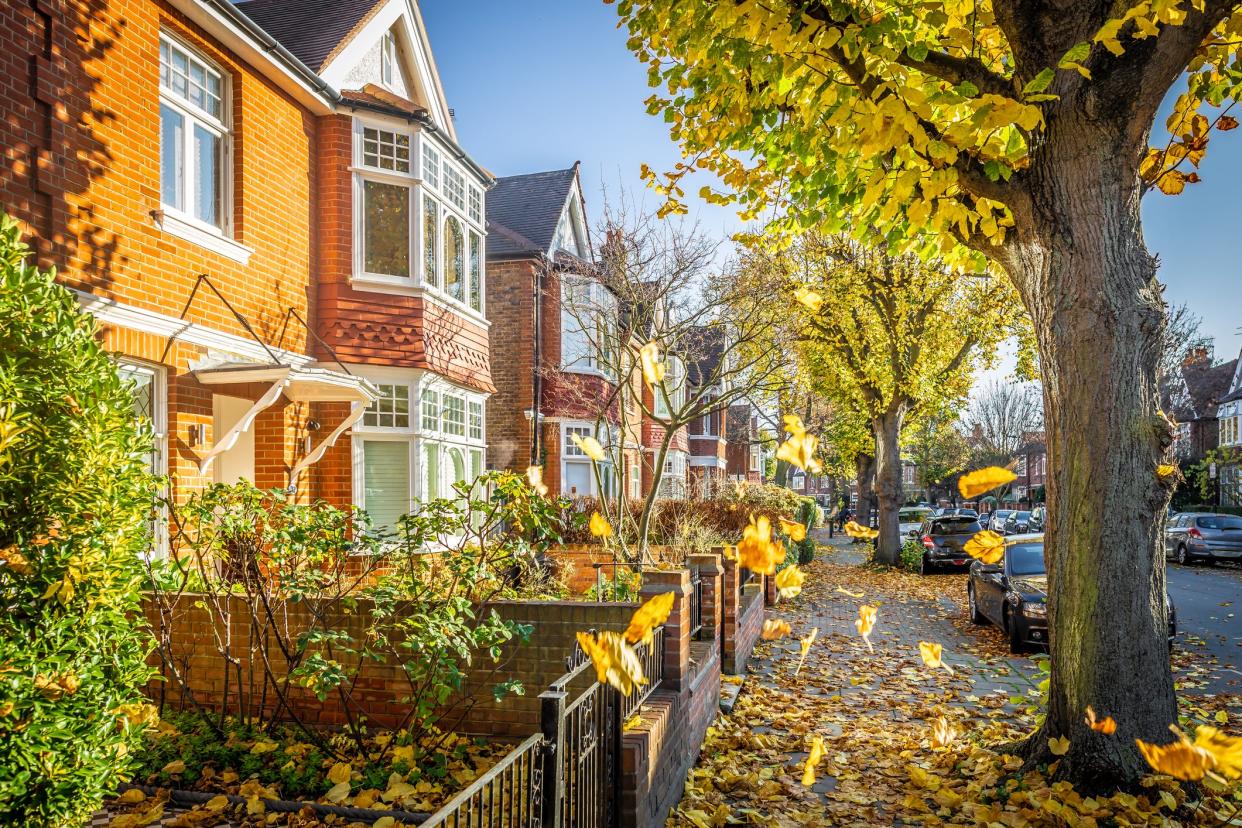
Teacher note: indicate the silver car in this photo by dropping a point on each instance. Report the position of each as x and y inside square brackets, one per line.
[1192, 536]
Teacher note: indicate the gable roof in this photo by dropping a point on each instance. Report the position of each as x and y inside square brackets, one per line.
[704, 347]
[523, 212]
[1208, 385]
[313, 30]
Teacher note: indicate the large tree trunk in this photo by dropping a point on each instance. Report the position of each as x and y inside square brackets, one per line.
[864, 465]
[1090, 286]
[887, 431]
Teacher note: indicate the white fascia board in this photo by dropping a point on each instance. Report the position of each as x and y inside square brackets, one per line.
[112, 312]
[257, 54]
[709, 462]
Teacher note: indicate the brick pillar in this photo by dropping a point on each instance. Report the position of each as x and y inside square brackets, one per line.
[769, 590]
[711, 573]
[677, 628]
[730, 606]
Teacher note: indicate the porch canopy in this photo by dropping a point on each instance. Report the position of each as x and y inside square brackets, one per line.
[299, 383]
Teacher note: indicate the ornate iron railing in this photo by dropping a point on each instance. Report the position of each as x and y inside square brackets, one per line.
[508, 795]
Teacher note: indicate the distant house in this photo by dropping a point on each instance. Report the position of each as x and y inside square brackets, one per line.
[548, 308]
[1032, 470]
[1229, 436]
[744, 454]
[1191, 398]
[707, 435]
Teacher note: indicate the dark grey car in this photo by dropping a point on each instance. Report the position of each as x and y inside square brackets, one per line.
[944, 539]
[1191, 536]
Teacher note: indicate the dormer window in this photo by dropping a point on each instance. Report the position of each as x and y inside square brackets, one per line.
[388, 59]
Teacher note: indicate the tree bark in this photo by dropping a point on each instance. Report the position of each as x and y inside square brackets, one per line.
[1089, 284]
[887, 431]
[864, 465]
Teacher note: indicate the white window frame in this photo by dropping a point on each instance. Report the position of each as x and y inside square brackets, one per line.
[602, 304]
[363, 173]
[674, 383]
[572, 455]
[412, 414]
[159, 437]
[181, 221]
[389, 65]
[676, 475]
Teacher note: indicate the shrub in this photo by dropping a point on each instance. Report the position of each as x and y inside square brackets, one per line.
[912, 555]
[75, 510]
[808, 516]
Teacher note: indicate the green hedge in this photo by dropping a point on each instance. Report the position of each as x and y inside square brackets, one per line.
[1220, 510]
[75, 509]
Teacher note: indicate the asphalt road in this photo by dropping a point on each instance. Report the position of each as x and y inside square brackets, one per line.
[1209, 619]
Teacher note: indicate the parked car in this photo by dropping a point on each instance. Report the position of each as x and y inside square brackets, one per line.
[996, 520]
[1192, 536]
[948, 511]
[1018, 523]
[911, 518]
[943, 538]
[1013, 594]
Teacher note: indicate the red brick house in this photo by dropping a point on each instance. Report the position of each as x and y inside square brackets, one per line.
[1032, 470]
[266, 209]
[548, 309]
[1191, 397]
[744, 453]
[707, 436]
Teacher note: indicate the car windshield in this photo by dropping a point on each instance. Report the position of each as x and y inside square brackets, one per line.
[958, 525]
[1026, 559]
[1220, 522]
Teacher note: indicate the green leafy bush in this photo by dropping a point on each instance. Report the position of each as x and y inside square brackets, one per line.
[808, 516]
[912, 555]
[75, 510]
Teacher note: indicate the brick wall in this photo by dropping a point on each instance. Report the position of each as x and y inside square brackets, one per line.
[381, 686]
[511, 310]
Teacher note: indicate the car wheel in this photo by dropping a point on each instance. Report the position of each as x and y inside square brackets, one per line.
[972, 605]
[1016, 644]
[1182, 557]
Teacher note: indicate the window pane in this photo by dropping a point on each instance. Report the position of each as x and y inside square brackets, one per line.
[577, 478]
[454, 186]
[476, 281]
[476, 204]
[431, 165]
[172, 142]
[207, 176]
[476, 421]
[387, 221]
[431, 214]
[431, 410]
[431, 470]
[386, 480]
[454, 416]
[391, 410]
[386, 150]
[454, 257]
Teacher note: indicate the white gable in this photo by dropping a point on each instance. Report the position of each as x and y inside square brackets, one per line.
[571, 230]
[361, 60]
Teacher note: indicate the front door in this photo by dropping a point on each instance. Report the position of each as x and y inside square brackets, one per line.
[238, 462]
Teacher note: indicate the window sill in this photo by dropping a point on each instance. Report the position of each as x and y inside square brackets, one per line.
[215, 241]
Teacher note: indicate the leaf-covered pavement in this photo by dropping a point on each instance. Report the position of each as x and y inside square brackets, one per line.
[876, 714]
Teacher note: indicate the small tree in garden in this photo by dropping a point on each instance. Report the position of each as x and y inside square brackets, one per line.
[75, 509]
[673, 335]
[325, 596]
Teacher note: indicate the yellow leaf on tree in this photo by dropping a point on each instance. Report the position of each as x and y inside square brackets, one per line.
[986, 546]
[600, 527]
[789, 581]
[813, 759]
[651, 614]
[983, 480]
[812, 300]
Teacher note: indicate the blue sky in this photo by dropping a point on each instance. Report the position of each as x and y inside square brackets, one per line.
[539, 84]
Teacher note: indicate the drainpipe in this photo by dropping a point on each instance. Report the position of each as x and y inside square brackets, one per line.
[537, 374]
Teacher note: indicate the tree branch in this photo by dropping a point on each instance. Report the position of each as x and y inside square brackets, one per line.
[955, 70]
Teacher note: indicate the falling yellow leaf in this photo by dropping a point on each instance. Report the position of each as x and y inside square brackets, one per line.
[615, 661]
[789, 581]
[534, 476]
[757, 551]
[857, 530]
[1059, 745]
[793, 424]
[590, 447]
[983, 480]
[800, 451]
[845, 591]
[653, 366]
[600, 527]
[943, 733]
[1180, 760]
[986, 546]
[805, 644]
[1106, 725]
[813, 759]
[811, 299]
[1226, 751]
[795, 530]
[1166, 471]
[650, 615]
[932, 654]
[775, 629]
[340, 772]
[865, 623]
